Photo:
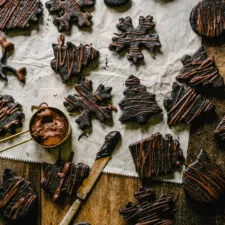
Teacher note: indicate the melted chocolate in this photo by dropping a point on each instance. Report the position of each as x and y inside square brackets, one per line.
[16, 196]
[70, 59]
[186, 105]
[149, 210]
[135, 38]
[156, 155]
[138, 105]
[11, 115]
[90, 103]
[19, 13]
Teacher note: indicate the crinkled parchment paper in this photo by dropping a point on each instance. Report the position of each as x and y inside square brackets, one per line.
[34, 50]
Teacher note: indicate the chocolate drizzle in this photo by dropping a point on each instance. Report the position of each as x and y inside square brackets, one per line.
[135, 38]
[156, 155]
[19, 13]
[208, 18]
[200, 71]
[220, 129]
[185, 105]
[90, 103]
[149, 210]
[70, 12]
[138, 105]
[70, 59]
[5, 69]
[63, 177]
[10, 115]
[111, 141]
[16, 196]
[203, 180]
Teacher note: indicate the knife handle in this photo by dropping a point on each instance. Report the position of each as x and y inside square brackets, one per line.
[71, 213]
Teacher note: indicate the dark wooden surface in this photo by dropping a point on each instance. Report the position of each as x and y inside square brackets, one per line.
[112, 192]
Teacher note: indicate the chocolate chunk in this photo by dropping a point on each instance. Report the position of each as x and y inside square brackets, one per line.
[220, 129]
[203, 180]
[5, 69]
[70, 59]
[90, 103]
[200, 71]
[208, 18]
[186, 105]
[70, 12]
[19, 14]
[156, 155]
[16, 196]
[63, 177]
[138, 104]
[10, 114]
[111, 141]
[149, 210]
[134, 39]
[114, 3]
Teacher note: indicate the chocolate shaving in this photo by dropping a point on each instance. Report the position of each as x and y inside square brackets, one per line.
[200, 71]
[220, 129]
[89, 103]
[208, 18]
[70, 12]
[16, 196]
[63, 177]
[114, 3]
[5, 69]
[11, 115]
[149, 210]
[203, 180]
[19, 13]
[156, 155]
[186, 105]
[70, 59]
[138, 105]
[135, 38]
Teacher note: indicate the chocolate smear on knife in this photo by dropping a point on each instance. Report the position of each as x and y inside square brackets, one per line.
[149, 210]
[16, 196]
[11, 115]
[19, 14]
[70, 12]
[200, 71]
[156, 156]
[71, 59]
[134, 39]
[208, 18]
[186, 105]
[138, 105]
[90, 103]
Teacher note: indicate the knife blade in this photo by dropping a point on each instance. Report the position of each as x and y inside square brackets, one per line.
[102, 158]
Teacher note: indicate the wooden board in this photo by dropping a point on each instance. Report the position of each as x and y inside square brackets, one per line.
[112, 192]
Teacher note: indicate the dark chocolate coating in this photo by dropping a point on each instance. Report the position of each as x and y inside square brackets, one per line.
[111, 141]
[70, 59]
[186, 105]
[10, 114]
[156, 155]
[138, 104]
[208, 18]
[90, 103]
[203, 180]
[149, 210]
[63, 177]
[16, 196]
[200, 71]
[220, 129]
[70, 12]
[114, 3]
[5, 69]
[19, 14]
[134, 39]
